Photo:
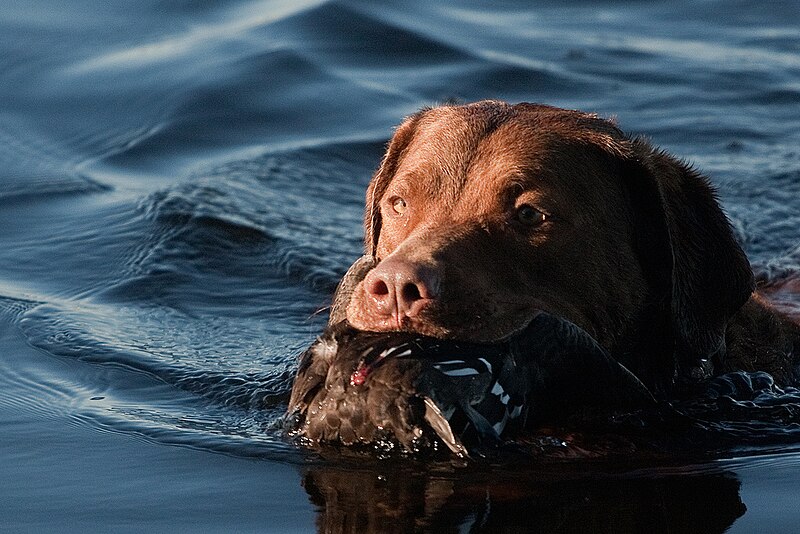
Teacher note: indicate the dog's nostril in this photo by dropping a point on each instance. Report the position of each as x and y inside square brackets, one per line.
[378, 288]
[410, 293]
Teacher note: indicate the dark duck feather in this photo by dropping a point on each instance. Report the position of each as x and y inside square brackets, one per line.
[415, 392]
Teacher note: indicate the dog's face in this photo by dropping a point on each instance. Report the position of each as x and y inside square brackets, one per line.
[483, 215]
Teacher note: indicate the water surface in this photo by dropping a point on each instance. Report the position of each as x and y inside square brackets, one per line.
[181, 186]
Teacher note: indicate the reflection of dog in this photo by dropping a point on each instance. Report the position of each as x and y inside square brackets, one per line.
[353, 500]
[484, 214]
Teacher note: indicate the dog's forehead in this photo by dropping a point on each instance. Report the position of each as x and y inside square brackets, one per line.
[478, 155]
[445, 142]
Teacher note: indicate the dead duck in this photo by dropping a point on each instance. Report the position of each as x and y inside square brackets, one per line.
[414, 392]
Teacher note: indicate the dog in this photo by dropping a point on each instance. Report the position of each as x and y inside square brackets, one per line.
[481, 216]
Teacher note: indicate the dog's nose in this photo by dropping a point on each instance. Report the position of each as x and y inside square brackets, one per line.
[401, 288]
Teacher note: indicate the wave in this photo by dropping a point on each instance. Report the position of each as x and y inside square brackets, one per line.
[152, 370]
[36, 168]
[261, 99]
[767, 210]
[252, 221]
[354, 37]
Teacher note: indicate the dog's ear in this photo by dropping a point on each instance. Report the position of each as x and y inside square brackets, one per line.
[701, 266]
[381, 179]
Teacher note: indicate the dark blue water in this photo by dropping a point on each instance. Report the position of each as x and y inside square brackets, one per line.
[181, 187]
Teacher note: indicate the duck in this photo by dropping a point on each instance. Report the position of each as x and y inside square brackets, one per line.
[412, 393]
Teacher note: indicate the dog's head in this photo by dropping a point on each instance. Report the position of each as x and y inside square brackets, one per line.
[482, 215]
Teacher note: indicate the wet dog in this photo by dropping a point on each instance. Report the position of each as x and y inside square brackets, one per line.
[483, 215]
[524, 261]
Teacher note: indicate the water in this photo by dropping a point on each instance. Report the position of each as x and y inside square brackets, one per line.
[181, 186]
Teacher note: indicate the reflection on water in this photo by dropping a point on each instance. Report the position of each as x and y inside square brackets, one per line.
[181, 186]
[354, 500]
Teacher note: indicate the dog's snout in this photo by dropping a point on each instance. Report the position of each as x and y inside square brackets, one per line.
[401, 288]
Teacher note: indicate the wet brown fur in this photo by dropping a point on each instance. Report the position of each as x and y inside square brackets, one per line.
[634, 248]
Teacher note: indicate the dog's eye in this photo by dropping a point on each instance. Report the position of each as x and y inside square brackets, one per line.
[399, 205]
[530, 216]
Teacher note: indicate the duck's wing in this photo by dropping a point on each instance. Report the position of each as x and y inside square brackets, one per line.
[485, 394]
[568, 368]
[462, 385]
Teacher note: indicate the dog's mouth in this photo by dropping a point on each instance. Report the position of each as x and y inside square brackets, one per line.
[414, 344]
[352, 384]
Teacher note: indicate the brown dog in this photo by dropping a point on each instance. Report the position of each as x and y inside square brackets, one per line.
[483, 215]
